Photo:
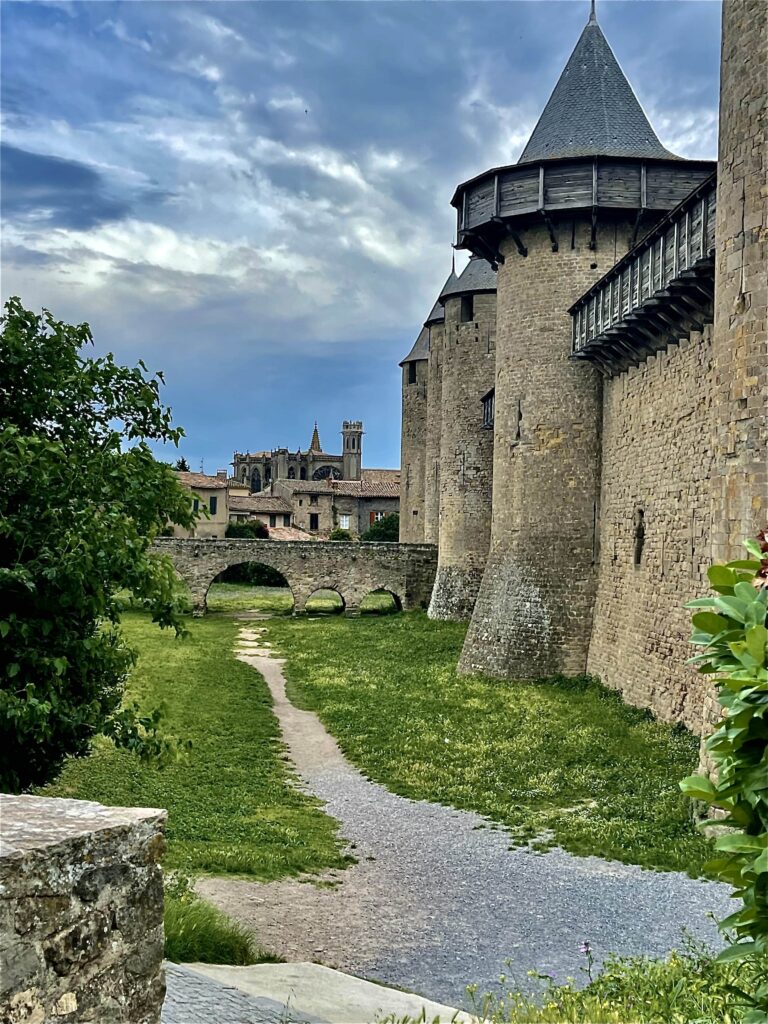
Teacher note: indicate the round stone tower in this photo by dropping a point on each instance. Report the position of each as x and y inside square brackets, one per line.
[466, 439]
[435, 325]
[413, 440]
[591, 179]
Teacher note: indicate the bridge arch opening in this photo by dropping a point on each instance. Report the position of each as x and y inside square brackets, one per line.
[381, 602]
[325, 601]
[250, 587]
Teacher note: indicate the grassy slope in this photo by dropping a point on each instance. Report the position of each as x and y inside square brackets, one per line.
[231, 804]
[565, 756]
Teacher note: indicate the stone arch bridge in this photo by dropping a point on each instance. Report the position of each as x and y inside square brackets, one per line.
[407, 571]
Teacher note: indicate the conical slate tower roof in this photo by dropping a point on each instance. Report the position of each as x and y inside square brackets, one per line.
[449, 288]
[477, 276]
[436, 315]
[420, 348]
[593, 110]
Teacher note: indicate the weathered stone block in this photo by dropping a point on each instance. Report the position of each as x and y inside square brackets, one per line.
[81, 903]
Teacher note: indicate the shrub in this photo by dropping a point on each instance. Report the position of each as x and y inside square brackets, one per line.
[197, 932]
[81, 500]
[339, 534]
[252, 529]
[386, 529]
[731, 629]
[688, 987]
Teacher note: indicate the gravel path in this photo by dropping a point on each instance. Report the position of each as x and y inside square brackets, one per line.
[436, 902]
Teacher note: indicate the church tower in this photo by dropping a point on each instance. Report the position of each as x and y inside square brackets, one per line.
[352, 449]
[591, 179]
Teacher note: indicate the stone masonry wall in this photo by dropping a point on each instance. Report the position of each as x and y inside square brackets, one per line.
[533, 613]
[413, 453]
[740, 470]
[466, 458]
[434, 427]
[657, 457]
[352, 570]
[81, 912]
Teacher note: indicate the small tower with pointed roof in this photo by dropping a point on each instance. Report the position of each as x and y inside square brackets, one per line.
[466, 439]
[591, 177]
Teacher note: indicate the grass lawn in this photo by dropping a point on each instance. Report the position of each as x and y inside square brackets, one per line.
[565, 758]
[231, 803]
[238, 597]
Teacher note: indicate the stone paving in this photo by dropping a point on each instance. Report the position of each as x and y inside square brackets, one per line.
[438, 899]
[194, 999]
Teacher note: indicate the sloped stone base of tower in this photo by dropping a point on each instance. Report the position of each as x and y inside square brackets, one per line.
[454, 593]
[527, 624]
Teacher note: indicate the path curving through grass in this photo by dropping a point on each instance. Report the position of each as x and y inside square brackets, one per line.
[437, 898]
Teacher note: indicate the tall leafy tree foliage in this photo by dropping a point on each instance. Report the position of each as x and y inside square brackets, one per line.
[81, 499]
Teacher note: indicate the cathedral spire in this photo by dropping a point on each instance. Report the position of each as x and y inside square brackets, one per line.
[315, 445]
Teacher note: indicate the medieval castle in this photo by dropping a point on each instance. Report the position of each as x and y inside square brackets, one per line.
[584, 411]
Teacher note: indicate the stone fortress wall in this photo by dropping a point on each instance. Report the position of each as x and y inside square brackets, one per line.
[612, 495]
[81, 912]
[466, 457]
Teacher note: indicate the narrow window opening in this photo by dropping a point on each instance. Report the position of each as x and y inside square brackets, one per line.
[467, 308]
[639, 535]
[213, 504]
[489, 409]
[314, 521]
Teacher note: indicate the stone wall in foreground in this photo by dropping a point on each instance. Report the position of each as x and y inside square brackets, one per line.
[81, 912]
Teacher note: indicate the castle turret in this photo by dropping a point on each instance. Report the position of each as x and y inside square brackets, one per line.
[591, 178]
[435, 325]
[352, 449]
[413, 440]
[466, 439]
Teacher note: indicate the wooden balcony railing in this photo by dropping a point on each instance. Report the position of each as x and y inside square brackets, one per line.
[660, 291]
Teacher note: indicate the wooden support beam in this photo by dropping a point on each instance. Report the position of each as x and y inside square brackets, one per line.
[550, 228]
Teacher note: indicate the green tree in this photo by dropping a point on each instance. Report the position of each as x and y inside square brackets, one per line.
[387, 528]
[337, 533]
[81, 499]
[181, 465]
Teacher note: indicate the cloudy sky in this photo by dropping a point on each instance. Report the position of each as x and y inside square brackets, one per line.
[254, 197]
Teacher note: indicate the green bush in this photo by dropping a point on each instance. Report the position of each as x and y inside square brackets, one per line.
[387, 529]
[339, 534]
[731, 629]
[252, 529]
[197, 932]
